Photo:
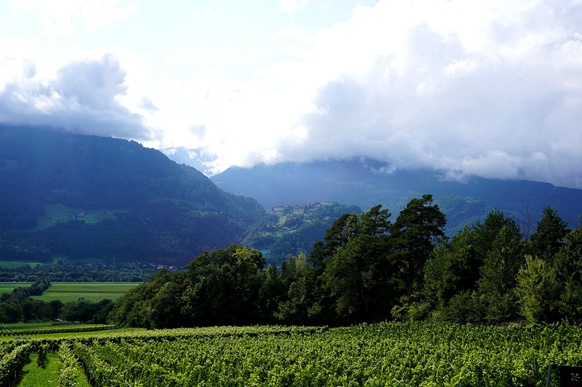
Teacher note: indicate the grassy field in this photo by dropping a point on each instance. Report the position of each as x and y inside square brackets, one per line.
[17, 264]
[91, 291]
[29, 325]
[59, 213]
[34, 375]
[8, 287]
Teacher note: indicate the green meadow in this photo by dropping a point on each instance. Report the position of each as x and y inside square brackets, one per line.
[59, 213]
[17, 264]
[8, 287]
[91, 291]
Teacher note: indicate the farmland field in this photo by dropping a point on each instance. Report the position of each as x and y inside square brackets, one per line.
[59, 213]
[8, 287]
[17, 264]
[91, 291]
[385, 354]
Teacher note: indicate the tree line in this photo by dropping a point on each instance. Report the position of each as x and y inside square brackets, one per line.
[61, 271]
[369, 268]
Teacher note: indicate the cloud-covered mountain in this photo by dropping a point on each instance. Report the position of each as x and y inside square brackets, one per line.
[486, 89]
[365, 183]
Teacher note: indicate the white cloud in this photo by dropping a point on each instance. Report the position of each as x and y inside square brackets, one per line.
[488, 88]
[61, 18]
[492, 88]
[83, 98]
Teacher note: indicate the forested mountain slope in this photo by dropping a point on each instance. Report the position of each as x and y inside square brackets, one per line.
[366, 183]
[92, 197]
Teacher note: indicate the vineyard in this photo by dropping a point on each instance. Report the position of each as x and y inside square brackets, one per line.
[395, 354]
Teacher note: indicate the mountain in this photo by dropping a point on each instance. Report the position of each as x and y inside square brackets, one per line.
[88, 198]
[365, 183]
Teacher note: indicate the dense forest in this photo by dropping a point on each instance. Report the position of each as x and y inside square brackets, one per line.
[63, 272]
[369, 268]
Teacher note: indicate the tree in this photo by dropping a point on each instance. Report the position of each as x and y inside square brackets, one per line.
[452, 268]
[299, 291]
[359, 277]
[353, 267]
[568, 263]
[550, 234]
[499, 272]
[338, 235]
[375, 222]
[222, 286]
[488, 231]
[271, 293]
[55, 307]
[536, 290]
[417, 230]
[134, 309]
[166, 304]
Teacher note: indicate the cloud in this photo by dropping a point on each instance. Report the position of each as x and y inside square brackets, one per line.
[487, 89]
[83, 98]
[147, 104]
[469, 88]
[61, 18]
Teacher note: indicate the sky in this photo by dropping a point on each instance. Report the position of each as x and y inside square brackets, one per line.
[486, 88]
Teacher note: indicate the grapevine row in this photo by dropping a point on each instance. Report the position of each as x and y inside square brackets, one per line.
[68, 365]
[12, 362]
[374, 355]
[49, 330]
[395, 354]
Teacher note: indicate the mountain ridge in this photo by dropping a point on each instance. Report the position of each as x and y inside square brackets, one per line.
[82, 196]
[361, 182]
